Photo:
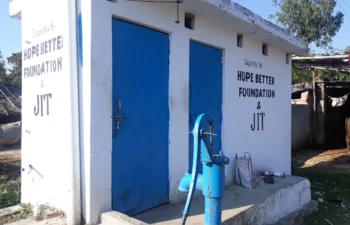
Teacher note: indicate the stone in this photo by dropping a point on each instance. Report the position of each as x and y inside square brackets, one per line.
[297, 217]
[9, 211]
[317, 193]
[42, 212]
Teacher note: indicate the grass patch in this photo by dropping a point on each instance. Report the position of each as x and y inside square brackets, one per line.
[334, 189]
[10, 193]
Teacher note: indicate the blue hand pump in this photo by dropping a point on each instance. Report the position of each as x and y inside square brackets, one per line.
[212, 182]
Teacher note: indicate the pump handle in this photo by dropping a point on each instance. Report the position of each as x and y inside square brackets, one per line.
[207, 133]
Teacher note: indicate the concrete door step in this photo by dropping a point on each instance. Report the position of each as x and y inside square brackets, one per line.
[114, 217]
[278, 203]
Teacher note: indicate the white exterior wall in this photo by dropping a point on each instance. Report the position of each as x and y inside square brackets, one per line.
[49, 109]
[270, 149]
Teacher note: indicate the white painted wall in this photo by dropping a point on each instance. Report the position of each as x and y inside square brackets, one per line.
[270, 148]
[48, 139]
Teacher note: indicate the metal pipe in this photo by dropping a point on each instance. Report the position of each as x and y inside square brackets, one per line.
[185, 182]
[212, 211]
[74, 194]
[213, 189]
[314, 128]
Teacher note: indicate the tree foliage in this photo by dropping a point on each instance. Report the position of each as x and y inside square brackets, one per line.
[2, 68]
[314, 21]
[333, 75]
[305, 75]
[15, 73]
[301, 75]
[347, 49]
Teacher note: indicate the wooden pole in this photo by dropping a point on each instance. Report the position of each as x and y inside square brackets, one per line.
[314, 130]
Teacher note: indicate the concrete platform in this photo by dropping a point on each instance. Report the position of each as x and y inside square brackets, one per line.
[266, 204]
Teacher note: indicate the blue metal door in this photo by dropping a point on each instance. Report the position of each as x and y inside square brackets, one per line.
[205, 91]
[140, 118]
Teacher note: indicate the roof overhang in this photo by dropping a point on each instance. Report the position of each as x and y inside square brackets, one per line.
[339, 63]
[232, 16]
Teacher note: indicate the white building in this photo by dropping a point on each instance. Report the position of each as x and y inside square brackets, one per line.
[157, 66]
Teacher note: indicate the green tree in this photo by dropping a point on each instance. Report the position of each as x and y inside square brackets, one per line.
[314, 21]
[301, 75]
[305, 75]
[15, 73]
[333, 75]
[2, 68]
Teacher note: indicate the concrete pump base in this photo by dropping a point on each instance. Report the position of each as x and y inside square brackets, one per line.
[284, 202]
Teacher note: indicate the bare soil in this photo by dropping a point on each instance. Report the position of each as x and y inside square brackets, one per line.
[337, 160]
[10, 163]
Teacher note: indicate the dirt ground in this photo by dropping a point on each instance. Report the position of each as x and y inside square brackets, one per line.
[10, 175]
[10, 162]
[337, 160]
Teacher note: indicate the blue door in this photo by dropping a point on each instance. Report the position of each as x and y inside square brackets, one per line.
[205, 91]
[140, 118]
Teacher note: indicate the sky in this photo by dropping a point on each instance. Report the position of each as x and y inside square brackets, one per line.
[10, 37]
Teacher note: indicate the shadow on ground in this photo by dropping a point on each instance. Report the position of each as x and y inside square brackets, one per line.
[334, 159]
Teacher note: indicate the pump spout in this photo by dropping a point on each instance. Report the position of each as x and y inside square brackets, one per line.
[185, 182]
